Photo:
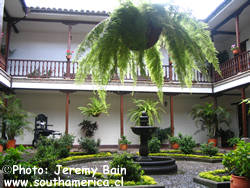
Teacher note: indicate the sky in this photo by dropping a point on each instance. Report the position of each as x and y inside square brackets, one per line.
[199, 8]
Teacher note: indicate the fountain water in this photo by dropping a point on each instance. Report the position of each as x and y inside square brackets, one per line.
[151, 165]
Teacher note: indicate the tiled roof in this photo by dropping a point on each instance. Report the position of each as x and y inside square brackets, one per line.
[67, 11]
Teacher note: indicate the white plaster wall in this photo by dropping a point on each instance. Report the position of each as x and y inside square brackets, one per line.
[52, 103]
[42, 45]
[228, 102]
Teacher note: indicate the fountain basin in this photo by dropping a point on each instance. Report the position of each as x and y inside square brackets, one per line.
[157, 165]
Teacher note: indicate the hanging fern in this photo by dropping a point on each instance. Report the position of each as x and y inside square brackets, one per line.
[127, 40]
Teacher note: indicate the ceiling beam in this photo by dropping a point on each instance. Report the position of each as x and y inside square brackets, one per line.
[7, 18]
[53, 21]
[234, 14]
[223, 32]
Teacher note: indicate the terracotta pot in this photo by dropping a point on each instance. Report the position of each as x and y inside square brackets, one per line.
[11, 144]
[239, 182]
[1, 148]
[236, 51]
[174, 146]
[212, 140]
[234, 147]
[123, 147]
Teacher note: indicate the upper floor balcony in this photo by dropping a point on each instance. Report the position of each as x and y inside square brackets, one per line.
[46, 69]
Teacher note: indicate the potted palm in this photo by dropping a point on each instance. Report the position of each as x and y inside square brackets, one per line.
[208, 118]
[95, 107]
[132, 37]
[148, 106]
[237, 162]
[123, 143]
[14, 118]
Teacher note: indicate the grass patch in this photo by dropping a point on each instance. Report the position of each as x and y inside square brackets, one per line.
[185, 155]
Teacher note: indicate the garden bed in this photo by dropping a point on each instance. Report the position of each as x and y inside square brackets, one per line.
[197, 156]
[214, 179]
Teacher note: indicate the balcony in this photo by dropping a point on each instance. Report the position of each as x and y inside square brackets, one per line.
[230, 68]
[235, 72]
[40, 69]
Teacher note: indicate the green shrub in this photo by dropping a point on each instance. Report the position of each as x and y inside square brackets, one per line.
[186, 144]
[89, 145]
[133, 170]
[46, 156]
[237, 161]
[63, 145]
[233, 141]
[13, 156]
[154, 145]
[162, 134]
[209, 149]
[174, 139]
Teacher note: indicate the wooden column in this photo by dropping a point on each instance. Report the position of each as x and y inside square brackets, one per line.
[244, 115]
[7, 44]
[69, 49]
[121, 116]
[172, 114]
[237, 29]
[67, 114]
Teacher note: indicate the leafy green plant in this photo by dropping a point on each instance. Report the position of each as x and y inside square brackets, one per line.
[13, 156]
[233, 141]
[64, 144]
[209, 118]
[154, 145]
[246, 101]
[128, 40]
[14, 117]
[209, 149]
[237, 161]
[174, 139]
[186, 144]
[3, 141]
[95, 107]
[133, 170]
[88, 127]
[215, 175]
[148, 106]
[162, 134]
[124, 140]
[89, 145]
[225, 136]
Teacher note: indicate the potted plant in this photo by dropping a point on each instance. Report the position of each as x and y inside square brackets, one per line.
[233, 142]
[95, 107]
[123, 143]
[88, 127]
[208, 118]
[235, 49]
[237, 162]
[14, 118]
[150, 107]
[131, 37]
[174, 140]
[2, 144]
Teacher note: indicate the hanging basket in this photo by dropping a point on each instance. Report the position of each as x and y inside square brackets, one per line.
[141, 27]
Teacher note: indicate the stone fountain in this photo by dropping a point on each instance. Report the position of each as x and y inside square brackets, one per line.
[153, 164]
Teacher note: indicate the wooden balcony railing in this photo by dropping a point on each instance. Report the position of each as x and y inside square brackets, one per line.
[239, 63]
[2, 62]
[58, 69]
